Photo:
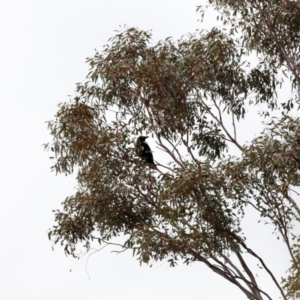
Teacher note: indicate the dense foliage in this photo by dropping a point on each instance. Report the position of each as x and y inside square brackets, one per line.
[190, 97]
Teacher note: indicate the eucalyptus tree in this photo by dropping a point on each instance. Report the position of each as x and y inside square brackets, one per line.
[190, 97]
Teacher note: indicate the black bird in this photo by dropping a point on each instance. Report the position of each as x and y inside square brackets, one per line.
[144, 152]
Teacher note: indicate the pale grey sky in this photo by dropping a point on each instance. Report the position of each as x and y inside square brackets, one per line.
[43, 49]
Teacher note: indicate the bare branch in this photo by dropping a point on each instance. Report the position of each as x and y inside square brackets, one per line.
[168, 151]
[176, 150]
[224, 274]
[233, 124]
[220, 122]
[242, 243]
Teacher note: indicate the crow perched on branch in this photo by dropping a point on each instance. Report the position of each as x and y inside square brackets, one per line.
[144, 152]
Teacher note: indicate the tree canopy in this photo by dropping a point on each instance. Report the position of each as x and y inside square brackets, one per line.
[190, 96]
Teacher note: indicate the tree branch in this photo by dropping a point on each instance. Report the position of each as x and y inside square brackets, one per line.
[220, 122]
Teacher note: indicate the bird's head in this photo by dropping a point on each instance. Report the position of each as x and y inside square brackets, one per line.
[142, 138]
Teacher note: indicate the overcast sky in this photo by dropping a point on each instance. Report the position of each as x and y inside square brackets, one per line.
[43, 49]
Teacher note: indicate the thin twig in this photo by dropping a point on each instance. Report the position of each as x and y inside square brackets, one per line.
[169, 152]
[163, 166]
[233, 124]
[220, 121]
[174, 148]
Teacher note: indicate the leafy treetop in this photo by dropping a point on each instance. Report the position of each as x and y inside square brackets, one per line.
[190, 96]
